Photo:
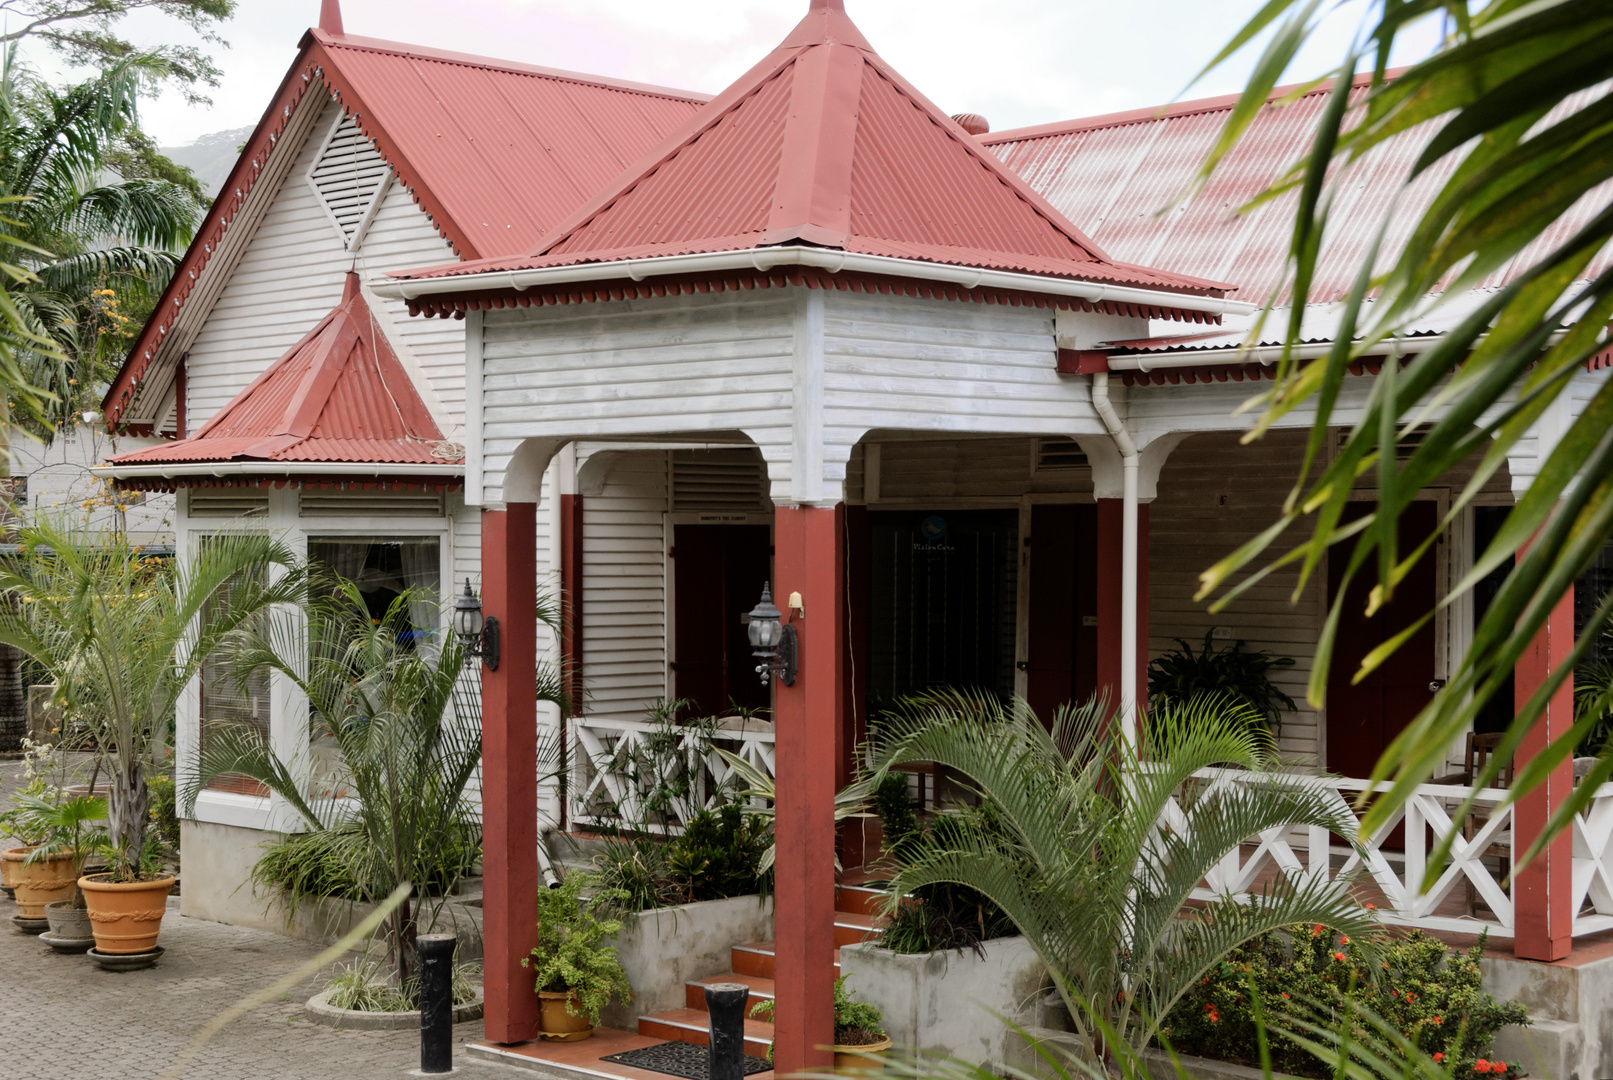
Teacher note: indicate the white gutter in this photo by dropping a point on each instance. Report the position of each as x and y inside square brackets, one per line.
[1270, 354]
[181, 470]
[1128, 552]
[766, 259]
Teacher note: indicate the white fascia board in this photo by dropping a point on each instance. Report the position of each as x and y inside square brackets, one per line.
[766, 259]
[183, 470]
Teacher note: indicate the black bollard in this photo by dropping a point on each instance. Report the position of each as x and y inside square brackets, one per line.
[725, 1004]
[436, 1002]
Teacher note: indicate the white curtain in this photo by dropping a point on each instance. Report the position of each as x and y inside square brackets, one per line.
[422, 572]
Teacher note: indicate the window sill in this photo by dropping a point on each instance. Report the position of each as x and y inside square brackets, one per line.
[228, 808]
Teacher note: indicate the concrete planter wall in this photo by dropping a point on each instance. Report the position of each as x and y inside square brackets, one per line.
[950, 1004]
[662, 950]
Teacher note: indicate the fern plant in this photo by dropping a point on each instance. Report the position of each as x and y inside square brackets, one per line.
[1235, 673]
[571, 954]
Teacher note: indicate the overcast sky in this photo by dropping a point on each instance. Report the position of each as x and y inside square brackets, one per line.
[1018, 62]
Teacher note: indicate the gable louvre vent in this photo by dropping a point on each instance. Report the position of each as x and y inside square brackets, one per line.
[1405, 446]
[731, 480]
[348, 176]
[227, 503]
[330, 504]
[1056, 454]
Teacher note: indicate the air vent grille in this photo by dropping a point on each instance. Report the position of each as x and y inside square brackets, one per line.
[227, 504]
[347, 176]
[1056, 454]
[729, 480]
[330, 504]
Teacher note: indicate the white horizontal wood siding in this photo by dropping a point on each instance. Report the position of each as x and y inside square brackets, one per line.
[719, 362]
[942, 366]
[290, 276]
[625, 588]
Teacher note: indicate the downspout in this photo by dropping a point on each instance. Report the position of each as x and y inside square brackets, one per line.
[1128, 551]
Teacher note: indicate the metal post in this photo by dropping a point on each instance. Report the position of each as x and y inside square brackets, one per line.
[725, 1003]
[436, 1002]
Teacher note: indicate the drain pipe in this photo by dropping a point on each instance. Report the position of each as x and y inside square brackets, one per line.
[1128, 551]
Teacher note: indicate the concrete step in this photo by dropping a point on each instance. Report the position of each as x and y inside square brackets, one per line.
[852, 927]
[760, 987]
[859, 899]
[757, 959]
[694, 1026]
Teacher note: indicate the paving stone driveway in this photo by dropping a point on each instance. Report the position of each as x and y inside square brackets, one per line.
[61, 1016]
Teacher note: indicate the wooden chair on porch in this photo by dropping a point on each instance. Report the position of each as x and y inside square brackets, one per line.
[1476, 758]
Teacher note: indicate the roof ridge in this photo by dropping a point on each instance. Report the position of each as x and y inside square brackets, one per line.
[1218, 103]
[514, 67]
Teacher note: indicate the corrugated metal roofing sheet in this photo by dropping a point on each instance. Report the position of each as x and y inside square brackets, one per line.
[338, 395]
[1118, 177]
[823, 143]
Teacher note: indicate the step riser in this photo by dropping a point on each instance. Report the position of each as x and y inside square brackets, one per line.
[694, 995]
[751, 963]
[851, 935]
[655, 1029]
[860, 901]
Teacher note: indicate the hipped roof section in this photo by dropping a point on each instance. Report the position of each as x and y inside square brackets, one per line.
[338, 395]
[823, 144]
[495, 153]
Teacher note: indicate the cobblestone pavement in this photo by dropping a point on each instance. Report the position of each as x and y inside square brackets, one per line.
[61, 1016]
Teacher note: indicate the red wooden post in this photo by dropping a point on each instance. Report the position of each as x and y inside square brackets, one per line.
[510, 773]
[1542, 891]
[807, 559]
[1108, 557]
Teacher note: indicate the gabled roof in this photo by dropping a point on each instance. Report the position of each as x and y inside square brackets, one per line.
[823, 144]
[338, 395]
[1112, 175]
[495, 153]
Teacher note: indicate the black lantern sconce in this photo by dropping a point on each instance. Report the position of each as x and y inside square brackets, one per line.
[772, 640]
[478, 635]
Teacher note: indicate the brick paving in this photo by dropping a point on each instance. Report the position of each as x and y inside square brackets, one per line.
[62, 1016]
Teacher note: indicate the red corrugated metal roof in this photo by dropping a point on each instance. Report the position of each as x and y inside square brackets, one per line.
[1114, 175]
[495, 152]
[823, 143]
[339, 394]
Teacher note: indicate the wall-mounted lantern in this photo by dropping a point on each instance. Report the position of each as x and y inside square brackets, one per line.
[478, 635]
[772, 640]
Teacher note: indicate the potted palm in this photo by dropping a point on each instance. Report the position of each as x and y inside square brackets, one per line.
[70, 832]
[576, 974]
[123, 634]
[860, 1039]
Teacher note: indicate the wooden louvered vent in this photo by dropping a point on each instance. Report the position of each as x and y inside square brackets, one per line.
[330, 504]
[1057, 454]
[227, 503]
[718, 480]
[348, 176]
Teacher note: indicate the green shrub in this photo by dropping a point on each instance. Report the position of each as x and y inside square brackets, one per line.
[719, 854]
[897, 822]
[634, 876]
[1435, 998]
[1233, 674]
[939, 917]
[164, 812]
[571, 953]
[857, 1023]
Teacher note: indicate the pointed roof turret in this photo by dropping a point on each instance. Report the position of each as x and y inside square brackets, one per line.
[338, 395]
[822, 143]
[330, 16]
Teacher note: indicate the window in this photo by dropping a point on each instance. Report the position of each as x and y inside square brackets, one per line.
[384, 568]
[229, 703]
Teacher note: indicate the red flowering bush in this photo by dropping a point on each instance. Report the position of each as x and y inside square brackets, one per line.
[1435, 997]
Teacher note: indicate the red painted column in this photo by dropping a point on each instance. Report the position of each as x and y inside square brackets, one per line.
[510, 773]
[1542, 891]
[808, 551]
[1108, 557]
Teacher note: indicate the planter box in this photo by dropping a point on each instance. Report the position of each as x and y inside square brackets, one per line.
[661, 950]
[949, 1004]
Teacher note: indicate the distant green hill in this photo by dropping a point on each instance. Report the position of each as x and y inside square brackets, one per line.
[210, 157]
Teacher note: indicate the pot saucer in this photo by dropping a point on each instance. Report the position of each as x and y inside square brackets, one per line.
[30, 926]
[124, 961]
[67, 945]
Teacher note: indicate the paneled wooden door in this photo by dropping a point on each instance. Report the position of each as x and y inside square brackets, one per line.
[718, 573]
[1061, 651]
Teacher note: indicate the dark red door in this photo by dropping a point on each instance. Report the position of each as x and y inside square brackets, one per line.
[1062, 656]
[1362, 719]
[718, 573]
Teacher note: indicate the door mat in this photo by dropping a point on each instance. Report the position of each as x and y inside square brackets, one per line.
[679, 1059]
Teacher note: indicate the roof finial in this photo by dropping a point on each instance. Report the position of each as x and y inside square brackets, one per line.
[330, 16]
[827, 5]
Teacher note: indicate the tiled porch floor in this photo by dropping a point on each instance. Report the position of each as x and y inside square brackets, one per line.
[580, 1058]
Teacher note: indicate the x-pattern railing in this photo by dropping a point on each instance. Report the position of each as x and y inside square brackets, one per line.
[1397, 856]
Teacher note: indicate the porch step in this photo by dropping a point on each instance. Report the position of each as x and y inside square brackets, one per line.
[852, 927]
[695, 990]
[694, 1026]
[859, 899]
[757, 959]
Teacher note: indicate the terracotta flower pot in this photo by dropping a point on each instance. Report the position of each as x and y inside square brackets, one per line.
[849, 1059]
[42, 882]
[8, 867]
[555, 1023]
[126, 915]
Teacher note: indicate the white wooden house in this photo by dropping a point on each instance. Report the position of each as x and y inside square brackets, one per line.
[963, 392]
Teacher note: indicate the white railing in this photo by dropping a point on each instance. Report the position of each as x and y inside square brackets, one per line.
[619, 766]
[1474, 877]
